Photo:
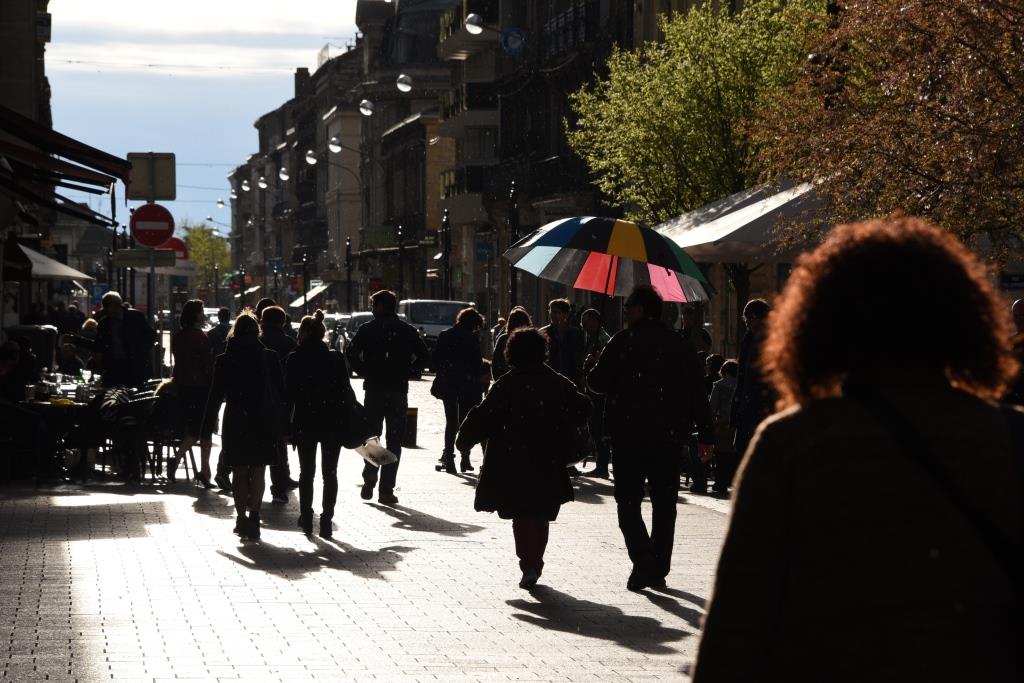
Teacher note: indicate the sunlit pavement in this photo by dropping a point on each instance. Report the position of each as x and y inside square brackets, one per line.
[133, 583]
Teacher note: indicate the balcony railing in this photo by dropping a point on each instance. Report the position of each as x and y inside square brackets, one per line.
[469, 96]
[465, 180]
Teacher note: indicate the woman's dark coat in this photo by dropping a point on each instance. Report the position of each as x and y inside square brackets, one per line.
[250, 434]
[528, 421]
[457, 362]
[318, 386]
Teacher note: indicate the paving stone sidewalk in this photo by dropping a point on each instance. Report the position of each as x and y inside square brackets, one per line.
[109, 581]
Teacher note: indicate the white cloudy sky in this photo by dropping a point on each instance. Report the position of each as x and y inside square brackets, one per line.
[183, 76]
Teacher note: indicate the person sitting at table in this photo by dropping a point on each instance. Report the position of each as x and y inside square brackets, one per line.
[125, 339]
[70, 365]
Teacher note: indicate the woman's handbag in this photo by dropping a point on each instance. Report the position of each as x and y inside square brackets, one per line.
[357, 427]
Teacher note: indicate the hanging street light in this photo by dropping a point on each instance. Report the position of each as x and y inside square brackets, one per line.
[283, 174]
[474, 24]
[245, 186]
[311, 158]
[334, 145]
[404, 83]
[262, 182]
[366, 108]
[220, 202]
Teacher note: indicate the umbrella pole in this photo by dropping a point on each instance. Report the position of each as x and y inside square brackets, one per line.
[607, 283]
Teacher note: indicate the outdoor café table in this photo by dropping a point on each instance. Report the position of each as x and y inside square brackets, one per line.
[59, 417]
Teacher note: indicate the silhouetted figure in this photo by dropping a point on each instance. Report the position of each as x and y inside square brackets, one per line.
[457, 382]
[527, 421]
[876, 528]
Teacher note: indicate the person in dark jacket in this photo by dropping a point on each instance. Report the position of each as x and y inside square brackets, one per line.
[218, 336]
[754, 398]
[386, 352]
[318, 387]
[273, 320]
[655, 387]
[192, 375]
[457, 383]
[565, 350]
[125, 340]
[595, 339]
[917, 578]
[248, 379]
[517, 317]
[527, 421]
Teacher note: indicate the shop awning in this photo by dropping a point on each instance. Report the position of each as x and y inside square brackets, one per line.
[46, 268]
[310, 295]
[254, 288]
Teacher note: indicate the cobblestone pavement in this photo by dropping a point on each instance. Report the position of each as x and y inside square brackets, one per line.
[110, 581]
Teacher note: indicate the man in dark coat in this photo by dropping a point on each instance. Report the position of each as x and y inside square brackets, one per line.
[272, 322]
[754, 399]
[565, 342]
[386, 352]
[457, 362]
[655, 388]
[125, 340]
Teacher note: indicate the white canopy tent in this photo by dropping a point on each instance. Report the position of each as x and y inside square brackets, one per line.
[741, 228]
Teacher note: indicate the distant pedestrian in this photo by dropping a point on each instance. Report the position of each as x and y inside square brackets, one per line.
[527, 422]
[386, 352]
[876, 528]
[247, 377]
[595, 338]
[721, 411]
[272, 335]
[457, 382]
[192, 375]
[74, 319]
[218, 336]
[318, 389]
[692, 330]
[565, 341]
[517, 318]
[712, 371]
[654, 385]
[754, 398]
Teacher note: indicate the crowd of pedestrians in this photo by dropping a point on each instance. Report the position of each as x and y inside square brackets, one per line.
[877, 492]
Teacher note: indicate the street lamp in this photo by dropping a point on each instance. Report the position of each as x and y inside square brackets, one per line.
[220, 203]
[305, 283]
[283, 174]
[366, 107]
[245, 186]
[401, 271]
[311, 157]
[446, 250]
[348, 274]
[513, 230]
[334, 145]
[404, 83]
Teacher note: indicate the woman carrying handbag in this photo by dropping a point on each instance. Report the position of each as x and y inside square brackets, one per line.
[320, 399]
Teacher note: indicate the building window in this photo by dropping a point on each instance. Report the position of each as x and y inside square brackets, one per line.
[480, 144]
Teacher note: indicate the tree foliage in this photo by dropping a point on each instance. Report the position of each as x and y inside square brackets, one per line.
[913, 106]
[206, 248]
[664, 132]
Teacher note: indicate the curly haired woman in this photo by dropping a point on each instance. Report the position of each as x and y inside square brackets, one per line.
[876, 529]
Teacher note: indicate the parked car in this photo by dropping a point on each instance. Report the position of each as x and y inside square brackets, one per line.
[431, 316]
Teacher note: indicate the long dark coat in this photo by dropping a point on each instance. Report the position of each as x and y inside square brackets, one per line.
[754, 399]
[249, 435]
[318, 387]
[457, 362]
[527, 421]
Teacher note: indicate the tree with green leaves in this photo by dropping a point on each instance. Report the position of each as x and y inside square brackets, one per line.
[207, 248]
[665, 132]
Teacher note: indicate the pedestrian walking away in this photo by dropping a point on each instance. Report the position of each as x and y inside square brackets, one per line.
[192, 375]
[528, 421]
[921, 579]
[457, 362]
[248, 380]
[565, 341]
[595, 338]
[517, 317]
[273, 320]
[318, 389]
[654, 387]
[386, 352]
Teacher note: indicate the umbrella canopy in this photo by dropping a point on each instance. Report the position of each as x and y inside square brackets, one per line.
[608, 256]
[740, 227]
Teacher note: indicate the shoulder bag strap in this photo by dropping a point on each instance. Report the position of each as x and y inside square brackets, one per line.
[915, 448]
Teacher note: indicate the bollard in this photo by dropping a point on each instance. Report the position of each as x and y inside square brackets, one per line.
[411, 418]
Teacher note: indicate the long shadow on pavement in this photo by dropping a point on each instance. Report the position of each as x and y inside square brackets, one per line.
[294, 564]
[559, 611]
[414, 520]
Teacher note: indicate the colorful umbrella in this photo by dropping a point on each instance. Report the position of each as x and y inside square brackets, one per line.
[609, 256]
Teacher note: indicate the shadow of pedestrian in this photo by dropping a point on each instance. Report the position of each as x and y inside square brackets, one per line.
[291, 564]
[562, 612]
[683, 595]
[414, 520]
[591, 491]
[688, 614]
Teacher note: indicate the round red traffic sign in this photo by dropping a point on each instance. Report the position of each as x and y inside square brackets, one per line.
[152, 225]
[179, 247]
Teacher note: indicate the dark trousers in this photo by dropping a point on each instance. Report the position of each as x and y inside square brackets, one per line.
[603, 454]
[726, 464]
[280, 475]
[531, 534]
[329, 452]
[455, 409]
[697, 470]
[385, 411]
[658, 465]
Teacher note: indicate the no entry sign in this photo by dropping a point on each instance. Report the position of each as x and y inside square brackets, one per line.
[152, 225]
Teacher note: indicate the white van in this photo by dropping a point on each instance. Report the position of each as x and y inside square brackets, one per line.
[431, 316]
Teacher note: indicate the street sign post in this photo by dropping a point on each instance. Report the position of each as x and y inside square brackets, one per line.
[153, 176]
[140, 258]
[152, 225]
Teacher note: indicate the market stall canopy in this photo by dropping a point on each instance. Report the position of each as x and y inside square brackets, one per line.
[310, 295]
[741, 228]
[46, 268]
